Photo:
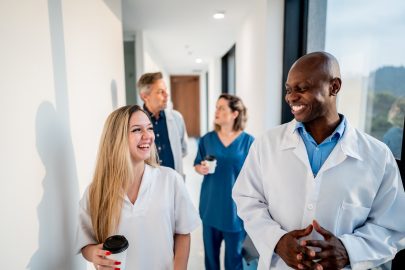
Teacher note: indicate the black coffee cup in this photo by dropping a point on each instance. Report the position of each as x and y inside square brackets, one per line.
[117, 245]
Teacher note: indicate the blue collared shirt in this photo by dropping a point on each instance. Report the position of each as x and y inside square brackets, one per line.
[162, 139]
[318, 153]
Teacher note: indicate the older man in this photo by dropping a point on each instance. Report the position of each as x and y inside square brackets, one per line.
[168, 125]
[316, 193]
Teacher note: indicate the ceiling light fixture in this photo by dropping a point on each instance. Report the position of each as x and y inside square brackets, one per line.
[198, 60]
[219, 15]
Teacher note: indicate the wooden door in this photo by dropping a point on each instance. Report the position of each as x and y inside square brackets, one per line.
[185, 92]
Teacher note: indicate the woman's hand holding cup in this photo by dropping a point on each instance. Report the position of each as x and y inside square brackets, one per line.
[202, 168]
[211, 163]
[96, 255]
[207, 165]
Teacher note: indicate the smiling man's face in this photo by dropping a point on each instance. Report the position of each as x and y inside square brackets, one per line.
[308, 91]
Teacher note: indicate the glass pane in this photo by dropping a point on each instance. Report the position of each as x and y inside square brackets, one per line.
[368, 37]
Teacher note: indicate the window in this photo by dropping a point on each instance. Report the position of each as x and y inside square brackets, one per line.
[369, 45]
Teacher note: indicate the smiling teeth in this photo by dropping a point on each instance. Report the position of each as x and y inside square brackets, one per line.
[297, 107]
[144, 146]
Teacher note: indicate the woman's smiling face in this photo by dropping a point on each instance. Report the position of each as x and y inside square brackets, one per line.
[141, 136]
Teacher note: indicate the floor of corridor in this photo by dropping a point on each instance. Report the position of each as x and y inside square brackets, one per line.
[193, 183]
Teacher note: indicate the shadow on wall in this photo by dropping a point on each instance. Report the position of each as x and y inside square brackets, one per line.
[57, 211]
[114, 95]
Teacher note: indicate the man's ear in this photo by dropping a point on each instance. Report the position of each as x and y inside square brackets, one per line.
[143, 96]
[335, 85]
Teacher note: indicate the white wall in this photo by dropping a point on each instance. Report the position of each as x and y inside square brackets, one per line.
[214, 89]
[150, 62]
[61, 75]
[259, 61]
[259, 52]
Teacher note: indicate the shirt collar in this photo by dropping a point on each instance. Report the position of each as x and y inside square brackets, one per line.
[337, 134]
[161, 113]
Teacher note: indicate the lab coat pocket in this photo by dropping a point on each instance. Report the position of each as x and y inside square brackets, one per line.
[351, 216]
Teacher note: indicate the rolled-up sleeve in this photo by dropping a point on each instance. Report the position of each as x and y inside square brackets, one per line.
[186, 215]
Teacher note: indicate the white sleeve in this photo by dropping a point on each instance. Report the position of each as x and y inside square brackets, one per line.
[383, 234]
[252, 207]
[84, 235]
[186, 216]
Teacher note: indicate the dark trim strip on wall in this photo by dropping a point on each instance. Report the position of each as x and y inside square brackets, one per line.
[295, 43]
[226, 64]
[401, 162]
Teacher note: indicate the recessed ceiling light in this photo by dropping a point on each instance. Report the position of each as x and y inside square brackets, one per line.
[198, 60]
[219, 15]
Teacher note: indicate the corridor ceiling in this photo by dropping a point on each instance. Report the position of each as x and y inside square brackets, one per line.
[180, 31]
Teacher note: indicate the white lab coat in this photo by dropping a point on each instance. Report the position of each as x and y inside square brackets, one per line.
[357, 195]
[177, 137]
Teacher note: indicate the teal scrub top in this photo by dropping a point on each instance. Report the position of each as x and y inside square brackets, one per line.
[217, 208]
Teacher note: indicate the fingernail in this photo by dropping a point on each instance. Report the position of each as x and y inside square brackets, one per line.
[312, 253]
[107, 253]
[300, 266]
[299, 257]
[117, 268]
[319, 267]
[117, 263]
[303, 243]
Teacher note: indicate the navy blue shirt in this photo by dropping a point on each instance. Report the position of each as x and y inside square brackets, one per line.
[162, 139]
[318, 153]
[217, 208]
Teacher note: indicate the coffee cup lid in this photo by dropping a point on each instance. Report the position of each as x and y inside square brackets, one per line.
[210, 158]
[116, 244]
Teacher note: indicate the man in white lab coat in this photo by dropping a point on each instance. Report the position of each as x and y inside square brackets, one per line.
[316, 193]
[168, 124]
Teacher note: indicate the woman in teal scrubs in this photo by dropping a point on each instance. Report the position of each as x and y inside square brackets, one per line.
[229, 144]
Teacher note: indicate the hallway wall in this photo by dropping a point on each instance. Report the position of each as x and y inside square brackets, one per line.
[61, 75]
[259, 55]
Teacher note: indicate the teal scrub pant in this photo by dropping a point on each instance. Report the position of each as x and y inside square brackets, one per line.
[212, 238]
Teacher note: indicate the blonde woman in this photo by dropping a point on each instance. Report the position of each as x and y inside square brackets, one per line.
[131, 195]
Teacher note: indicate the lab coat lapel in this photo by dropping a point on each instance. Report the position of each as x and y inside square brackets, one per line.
[292, 140]
[346, 147]
[170, 122]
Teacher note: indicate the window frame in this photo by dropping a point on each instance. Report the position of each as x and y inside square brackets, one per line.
[295, 44]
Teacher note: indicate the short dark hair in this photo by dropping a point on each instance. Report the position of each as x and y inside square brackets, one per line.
[147, 79]
[235, 104]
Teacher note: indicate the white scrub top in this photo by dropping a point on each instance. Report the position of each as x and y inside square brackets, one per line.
[357, 195]
[163, 208]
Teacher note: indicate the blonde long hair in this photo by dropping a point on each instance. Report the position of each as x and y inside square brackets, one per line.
[113, 173]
